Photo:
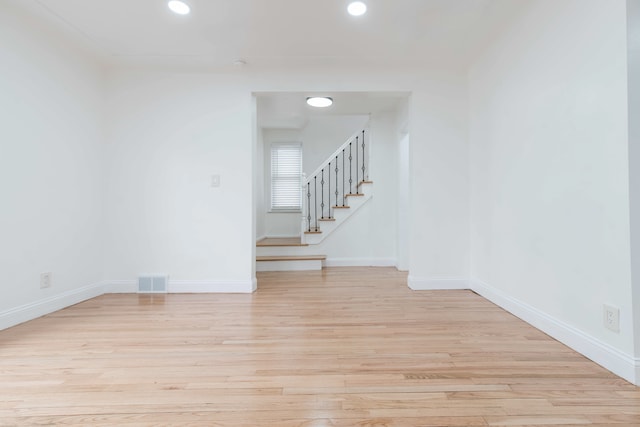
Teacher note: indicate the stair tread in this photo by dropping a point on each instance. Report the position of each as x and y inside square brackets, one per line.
[291, 258]
[327, 219]
[313, 232]
[355, 195]
[341, 207]
[364, 182]
[280, 241]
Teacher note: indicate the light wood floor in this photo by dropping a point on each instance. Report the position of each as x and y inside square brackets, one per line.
[340, 347]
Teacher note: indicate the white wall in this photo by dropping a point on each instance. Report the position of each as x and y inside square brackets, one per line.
[169, 133]
[549, 181]
[323, 135]
[633, 73]
[439, 210]
[51, 149]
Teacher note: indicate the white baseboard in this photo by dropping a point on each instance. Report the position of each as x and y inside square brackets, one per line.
[437, 283]
[360, 262]
[48, 305]
[186, 286]
[603, 354]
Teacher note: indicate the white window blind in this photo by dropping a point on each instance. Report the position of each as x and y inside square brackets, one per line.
[286, 168]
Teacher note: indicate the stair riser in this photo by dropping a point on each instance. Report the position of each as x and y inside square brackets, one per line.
[307, 265]
[286, 250]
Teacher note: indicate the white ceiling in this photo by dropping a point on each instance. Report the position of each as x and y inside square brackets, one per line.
[288, 110]
[281, 33]
[278, 32]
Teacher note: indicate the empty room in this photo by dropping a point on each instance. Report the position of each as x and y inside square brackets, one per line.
[320, 212]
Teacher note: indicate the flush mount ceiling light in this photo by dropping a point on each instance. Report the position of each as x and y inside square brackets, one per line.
[320, 101]
[357, 8]
[179, 7]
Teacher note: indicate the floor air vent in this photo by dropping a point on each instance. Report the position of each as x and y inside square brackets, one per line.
[152, 284]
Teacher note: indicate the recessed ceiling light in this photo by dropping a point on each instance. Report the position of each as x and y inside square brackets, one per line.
[320, 101]
[179, 7]
[357, 8]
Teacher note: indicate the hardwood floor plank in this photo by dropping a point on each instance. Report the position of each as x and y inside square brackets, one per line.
[538, 420]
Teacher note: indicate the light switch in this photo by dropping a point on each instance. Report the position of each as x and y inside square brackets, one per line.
[215, 180]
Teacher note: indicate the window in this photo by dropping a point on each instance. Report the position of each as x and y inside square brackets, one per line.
[286, 170]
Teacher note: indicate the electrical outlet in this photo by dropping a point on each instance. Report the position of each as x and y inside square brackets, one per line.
[45, 280]
[215, 181]
[611, 318]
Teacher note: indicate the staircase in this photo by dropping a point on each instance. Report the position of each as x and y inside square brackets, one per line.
[337, 189]
[285, 255]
